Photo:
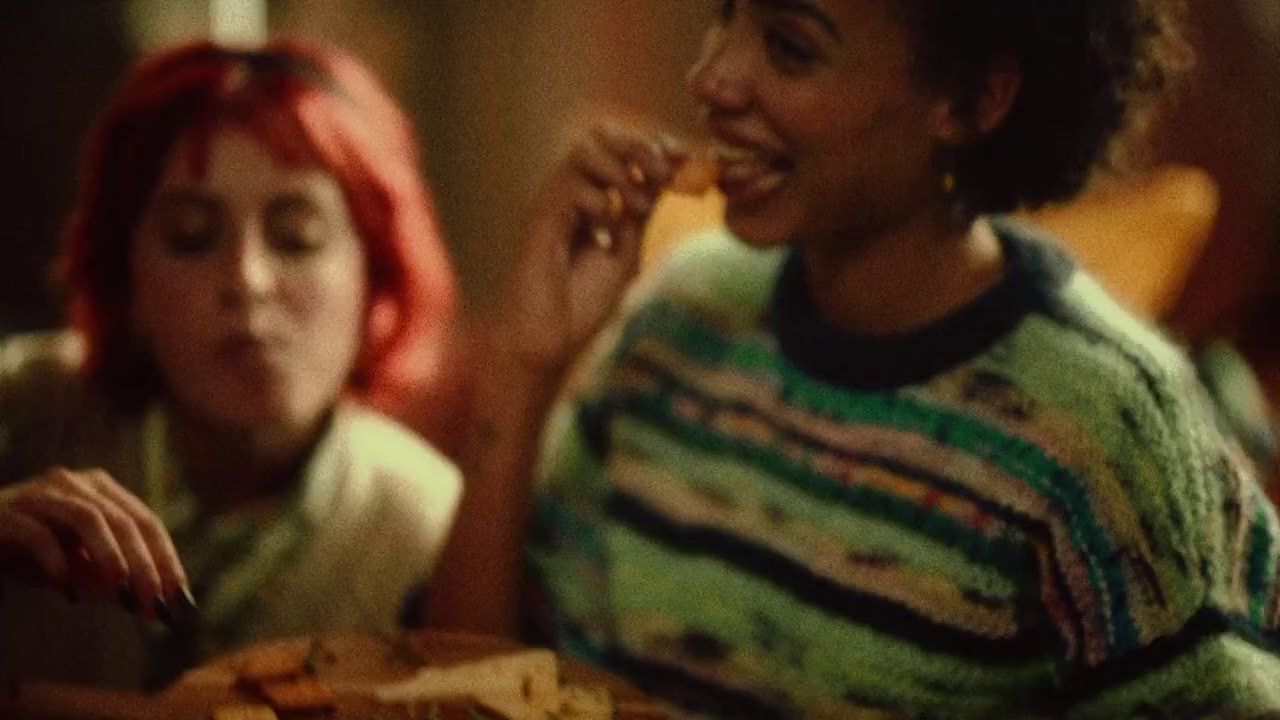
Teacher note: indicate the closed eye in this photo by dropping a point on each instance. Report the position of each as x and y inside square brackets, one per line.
[188, 224]
[295, 225]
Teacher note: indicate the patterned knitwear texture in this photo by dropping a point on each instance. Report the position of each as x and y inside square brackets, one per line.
[1024, 509]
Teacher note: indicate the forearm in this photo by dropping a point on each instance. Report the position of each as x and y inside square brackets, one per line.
[478, 584]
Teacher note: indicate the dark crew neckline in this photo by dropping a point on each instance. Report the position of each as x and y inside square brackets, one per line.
[1035, 271]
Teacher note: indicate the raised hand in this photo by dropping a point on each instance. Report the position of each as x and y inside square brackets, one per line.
[582, 245]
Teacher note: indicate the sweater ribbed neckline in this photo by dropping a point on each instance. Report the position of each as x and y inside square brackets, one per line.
[1035, 271]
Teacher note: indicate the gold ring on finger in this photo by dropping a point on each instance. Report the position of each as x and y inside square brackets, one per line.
[636, 173]
[603, 238]
[616, 204]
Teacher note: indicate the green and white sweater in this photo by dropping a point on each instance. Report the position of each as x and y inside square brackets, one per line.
[1022, 510]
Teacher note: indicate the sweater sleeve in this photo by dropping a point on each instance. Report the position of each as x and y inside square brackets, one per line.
[1192, 600]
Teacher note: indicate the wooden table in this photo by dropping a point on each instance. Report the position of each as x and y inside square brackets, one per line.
[351, 666]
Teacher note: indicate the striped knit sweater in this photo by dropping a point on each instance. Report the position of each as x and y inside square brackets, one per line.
[1022, 510]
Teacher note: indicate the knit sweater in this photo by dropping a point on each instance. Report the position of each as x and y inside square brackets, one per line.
[1024, 509]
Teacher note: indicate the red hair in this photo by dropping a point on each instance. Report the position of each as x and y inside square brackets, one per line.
[306, 106]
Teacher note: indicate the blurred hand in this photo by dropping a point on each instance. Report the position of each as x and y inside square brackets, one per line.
[81, 531]
[582, 245]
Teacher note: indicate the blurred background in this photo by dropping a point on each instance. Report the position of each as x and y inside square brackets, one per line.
[491, 86]
[1192, 239]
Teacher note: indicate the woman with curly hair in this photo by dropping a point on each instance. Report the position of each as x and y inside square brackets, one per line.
[876, 450]
[255, 275]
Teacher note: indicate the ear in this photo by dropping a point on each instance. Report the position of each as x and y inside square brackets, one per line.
[955, 123]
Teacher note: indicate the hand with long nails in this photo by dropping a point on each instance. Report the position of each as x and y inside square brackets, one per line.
[85, 534]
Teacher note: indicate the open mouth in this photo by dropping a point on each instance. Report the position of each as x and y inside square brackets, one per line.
[749, 174]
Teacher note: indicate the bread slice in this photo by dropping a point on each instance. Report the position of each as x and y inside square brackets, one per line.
[581, 702]
[521, 686]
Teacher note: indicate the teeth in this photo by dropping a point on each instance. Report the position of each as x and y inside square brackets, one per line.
[735, 154]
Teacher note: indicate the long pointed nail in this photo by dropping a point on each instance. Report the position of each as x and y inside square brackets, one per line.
[186, 601]
[161, 610]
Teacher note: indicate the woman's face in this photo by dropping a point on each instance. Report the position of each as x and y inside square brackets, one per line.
[821, 128]
[249, 287]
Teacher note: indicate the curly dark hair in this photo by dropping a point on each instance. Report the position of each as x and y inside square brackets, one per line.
[1090, 71]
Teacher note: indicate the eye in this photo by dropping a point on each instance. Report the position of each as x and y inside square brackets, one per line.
[295, 227]
[789, 53]
[724, 10]
[189, 227]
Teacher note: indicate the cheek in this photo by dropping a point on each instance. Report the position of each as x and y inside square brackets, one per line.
[168, 303]
[330, 302]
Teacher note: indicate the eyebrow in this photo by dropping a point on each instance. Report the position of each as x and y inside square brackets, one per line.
[802, 7]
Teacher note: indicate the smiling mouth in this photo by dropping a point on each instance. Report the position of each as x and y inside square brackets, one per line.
[749, 174]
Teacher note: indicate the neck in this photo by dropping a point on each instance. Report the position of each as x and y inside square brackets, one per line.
[232, 467]
[904, 277]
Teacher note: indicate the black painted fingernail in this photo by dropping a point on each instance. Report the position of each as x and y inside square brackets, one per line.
[186, 601]
[129, 599]
[70, 592]
[162, 611]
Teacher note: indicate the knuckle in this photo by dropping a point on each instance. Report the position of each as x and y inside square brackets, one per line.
[61, 476]
[116, 519]
[85, 516]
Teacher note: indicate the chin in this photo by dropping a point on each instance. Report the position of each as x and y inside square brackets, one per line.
[762, 233]
[247, 408]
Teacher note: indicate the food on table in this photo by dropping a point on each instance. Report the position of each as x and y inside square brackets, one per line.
[274, 663]
[244, 711]
[518, 686]
[306, 694]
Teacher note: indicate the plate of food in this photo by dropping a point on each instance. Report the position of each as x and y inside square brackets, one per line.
[414, 676]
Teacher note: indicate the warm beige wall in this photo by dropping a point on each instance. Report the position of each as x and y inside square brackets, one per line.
[493, 84]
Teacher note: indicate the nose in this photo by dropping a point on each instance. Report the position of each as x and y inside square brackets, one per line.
[250, 273]
[720, 80]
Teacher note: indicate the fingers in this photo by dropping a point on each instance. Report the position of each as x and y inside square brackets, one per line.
[650, 160]
[162, 574]
[61, 508]
[37, 543]
[622, 172]
[127, 553]
[605, 171]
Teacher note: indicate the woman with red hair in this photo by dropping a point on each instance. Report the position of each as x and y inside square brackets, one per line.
[255, 275]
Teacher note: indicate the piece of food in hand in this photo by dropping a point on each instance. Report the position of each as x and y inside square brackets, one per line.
[519, 686]
[244, 711]
[273, 664]
[698, 174]
[300, 695]
[580, 702]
